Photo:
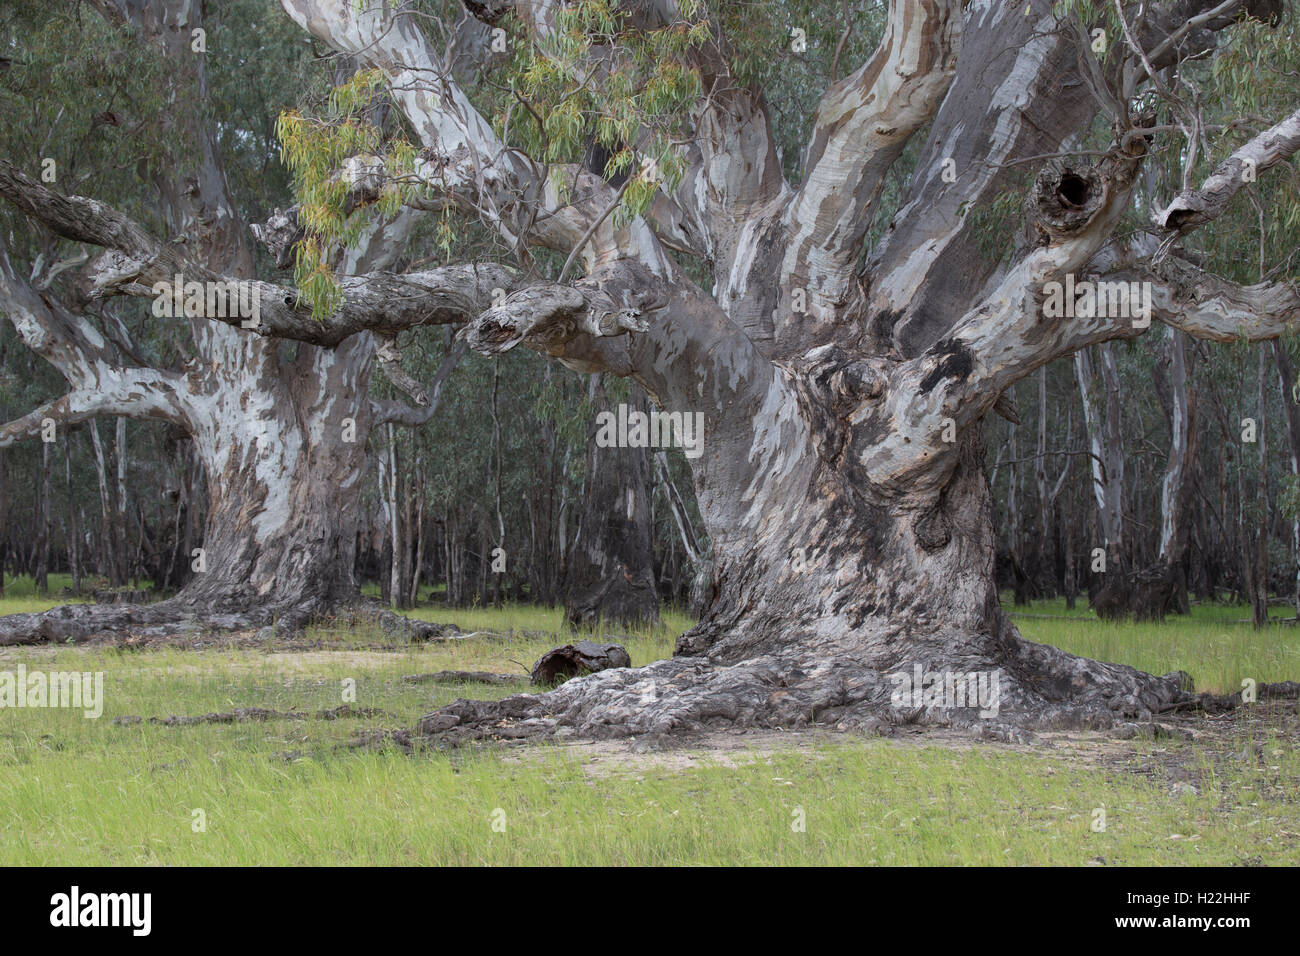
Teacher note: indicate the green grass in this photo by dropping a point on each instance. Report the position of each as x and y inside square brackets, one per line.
[21, 596]
[861, 804]
[1212, 644]
[76, 791]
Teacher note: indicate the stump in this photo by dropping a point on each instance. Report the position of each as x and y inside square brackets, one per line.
[574, 660]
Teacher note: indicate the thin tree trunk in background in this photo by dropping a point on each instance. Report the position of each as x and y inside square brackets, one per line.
[419, 533]
[1099, 388]
[177, 542]
[1020, 595]
[120, 531]
[4, 511]
[701, 569]
[1040, 479]
[1224, 507]
[108, 556]
[1259, 532]
[448, 532]
[146, 550]
[484, 561]
[74, 543]
[1175, 489]
[560, 570]
[1292, 411]
[42, 569]
[408, 537]
[1071, 582]
[391, 590]
[1162, 588]
[496, 464]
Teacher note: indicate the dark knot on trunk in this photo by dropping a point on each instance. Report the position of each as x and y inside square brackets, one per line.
[1066, 196]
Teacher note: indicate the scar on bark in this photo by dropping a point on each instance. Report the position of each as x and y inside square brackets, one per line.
[955, 362]
[932, 529]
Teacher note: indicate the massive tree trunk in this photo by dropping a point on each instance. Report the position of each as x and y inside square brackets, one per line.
[281, 433]
[827, 598]
[284, 476]
[840, 477]
[610, 574]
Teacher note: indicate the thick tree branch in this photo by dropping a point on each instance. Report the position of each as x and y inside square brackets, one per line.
[931, 399]
[142, 393]
[862, 125]
[550, 316]
[86, 360]
[397, 413]
[506, 308]
[1195, 207]
[68, 342]
[1206, 306]
[1020, 92]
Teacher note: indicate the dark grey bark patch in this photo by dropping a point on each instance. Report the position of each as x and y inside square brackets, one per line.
[955, 362]
[932, 529]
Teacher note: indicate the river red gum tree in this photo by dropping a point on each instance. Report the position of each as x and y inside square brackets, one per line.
[281, 435]
[841, 482]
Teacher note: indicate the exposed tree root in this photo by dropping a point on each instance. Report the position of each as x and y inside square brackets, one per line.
[77, 623]
[465, 677]
[186, 614]
[1037, 688]
[240, 714]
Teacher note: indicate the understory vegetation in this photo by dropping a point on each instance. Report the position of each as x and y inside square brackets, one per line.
[295, 790]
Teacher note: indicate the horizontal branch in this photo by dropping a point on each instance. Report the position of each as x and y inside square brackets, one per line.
[502, 307]
[1206, 306]
[141, 393]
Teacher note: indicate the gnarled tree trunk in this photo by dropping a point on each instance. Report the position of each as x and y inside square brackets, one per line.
[281, 437]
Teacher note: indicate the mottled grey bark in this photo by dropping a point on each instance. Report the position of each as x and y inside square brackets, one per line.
[281, 439]
[1111, 586]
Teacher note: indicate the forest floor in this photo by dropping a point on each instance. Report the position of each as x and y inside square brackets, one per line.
[271, 776]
